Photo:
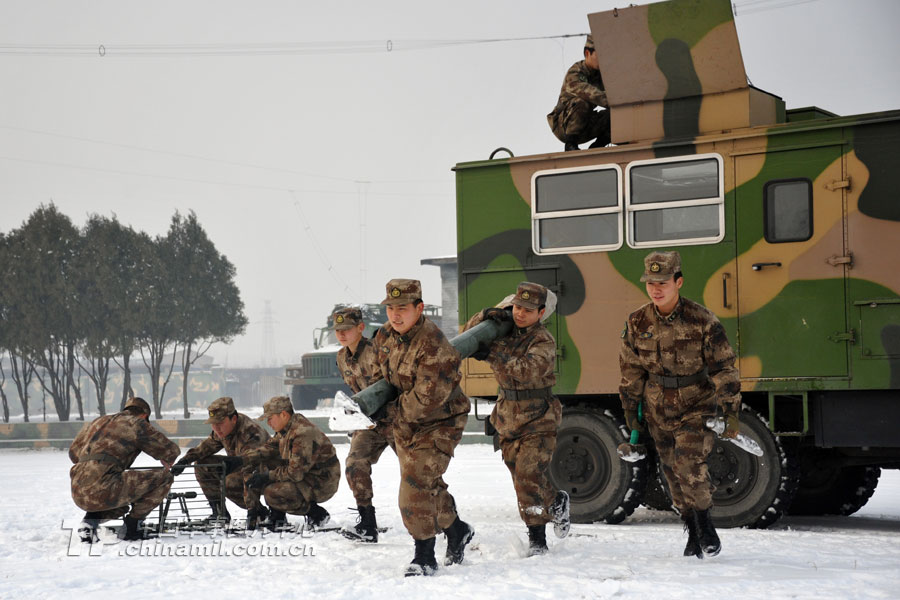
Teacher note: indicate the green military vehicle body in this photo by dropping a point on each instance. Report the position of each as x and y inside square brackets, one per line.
[786, 222]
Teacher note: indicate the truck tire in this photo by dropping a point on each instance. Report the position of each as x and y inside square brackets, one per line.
[751, 491]
[304, 397]
[601, 486]
[656, 494]
[827, 488]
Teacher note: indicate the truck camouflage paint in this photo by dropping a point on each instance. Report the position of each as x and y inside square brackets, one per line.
[794, 253]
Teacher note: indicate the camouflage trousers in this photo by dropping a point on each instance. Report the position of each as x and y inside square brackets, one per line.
[296, 497]
[366, 447]
[109, 492]
[427, 508]
[576, 122]
[528, 460]
[210, 482]
[683, 453]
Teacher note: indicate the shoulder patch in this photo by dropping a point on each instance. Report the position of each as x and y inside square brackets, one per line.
[646, 335]
[624, 330]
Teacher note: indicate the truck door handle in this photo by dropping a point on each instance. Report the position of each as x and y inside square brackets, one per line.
[761, 266]
[725, 278]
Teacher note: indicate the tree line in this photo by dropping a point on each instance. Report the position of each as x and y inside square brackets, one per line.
[75, 301]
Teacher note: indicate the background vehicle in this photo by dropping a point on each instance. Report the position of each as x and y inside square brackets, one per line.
[786, 221]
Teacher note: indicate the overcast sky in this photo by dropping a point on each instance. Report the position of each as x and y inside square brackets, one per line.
[314, 141]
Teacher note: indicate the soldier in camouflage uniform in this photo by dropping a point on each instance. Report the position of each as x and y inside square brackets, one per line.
[675, 358]
[298, 466]
[574, 120]
[103, 485]
[237, 433]
[359, 368]
[527, 414]
[416, 358]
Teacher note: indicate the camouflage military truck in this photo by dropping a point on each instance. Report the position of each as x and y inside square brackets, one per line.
[786, 221]
[317, 375]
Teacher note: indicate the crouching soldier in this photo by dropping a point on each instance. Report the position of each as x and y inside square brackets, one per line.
[237, 433]
[298, 466]
[359, 368]
[416, 358]
[676, 359]
[527, 414]
[102, 483]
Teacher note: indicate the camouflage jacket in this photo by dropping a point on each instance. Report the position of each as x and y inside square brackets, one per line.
[681, 344]
[424, 367]
[246, 435]
[523, 360]
[360, 370]
[121, 437]
[585, 83]
[299, 452]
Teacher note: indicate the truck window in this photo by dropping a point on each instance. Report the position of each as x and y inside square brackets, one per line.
[675, 201]
[576, 210]
[787, 210]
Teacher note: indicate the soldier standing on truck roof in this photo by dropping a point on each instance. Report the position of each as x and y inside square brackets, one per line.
[416, 358]
[297, 467]
[102, 483]
[357, 362]
[574, 120]
[527, 414]
[676, 359]
[237, 433]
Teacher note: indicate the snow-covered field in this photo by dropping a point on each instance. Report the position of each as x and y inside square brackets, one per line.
[821, 558]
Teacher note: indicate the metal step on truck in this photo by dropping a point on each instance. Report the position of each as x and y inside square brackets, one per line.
[788, 224]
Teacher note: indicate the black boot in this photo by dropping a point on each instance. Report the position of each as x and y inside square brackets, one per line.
[87, 530]
[570, 147]
[366, 529]
[134, 529]
[317, 516]
[275, 521]
[458, 535]
[218, 516]
[537, 540]
[423, 563]
[256, 516]
[706, 533]
[693, 544]
[559, 512]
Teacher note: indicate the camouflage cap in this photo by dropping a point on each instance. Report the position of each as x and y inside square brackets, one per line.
[660, 266]
[138, 403]
[589, 42]
[530, 295]
[220, 409]
[275, 406]
[402, 291]
[346, 318]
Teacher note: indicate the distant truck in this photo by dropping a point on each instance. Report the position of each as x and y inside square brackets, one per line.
[317, 375]
[787, 222]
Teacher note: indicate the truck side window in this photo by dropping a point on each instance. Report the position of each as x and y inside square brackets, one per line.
[787, 210]
[576, 210]
[676, 201]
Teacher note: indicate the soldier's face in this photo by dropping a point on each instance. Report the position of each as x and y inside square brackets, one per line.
[350, 337]
[664, 294]
[526, 317]
[404, 316]
[590, 59]
[278, 420]
[224, 428]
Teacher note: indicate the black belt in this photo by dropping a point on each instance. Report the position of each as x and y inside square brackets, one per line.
[667, 381]
[101, 457]
[545, 393]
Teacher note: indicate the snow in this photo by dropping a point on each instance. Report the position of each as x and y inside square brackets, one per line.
[810, 557]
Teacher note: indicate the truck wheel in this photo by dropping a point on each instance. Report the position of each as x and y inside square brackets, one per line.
[304, 397]
[601, 486]
[656, 495]
[827, 488]
[751, 491]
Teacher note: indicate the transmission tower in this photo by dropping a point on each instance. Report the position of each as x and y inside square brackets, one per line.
[268, 358]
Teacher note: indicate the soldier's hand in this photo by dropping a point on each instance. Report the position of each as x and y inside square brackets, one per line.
[258, 480]
[178, 468]
[232, 463]
[732, 425]
[497, 314]
[632, 421]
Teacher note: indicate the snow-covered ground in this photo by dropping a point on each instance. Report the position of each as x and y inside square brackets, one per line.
[821, 558]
